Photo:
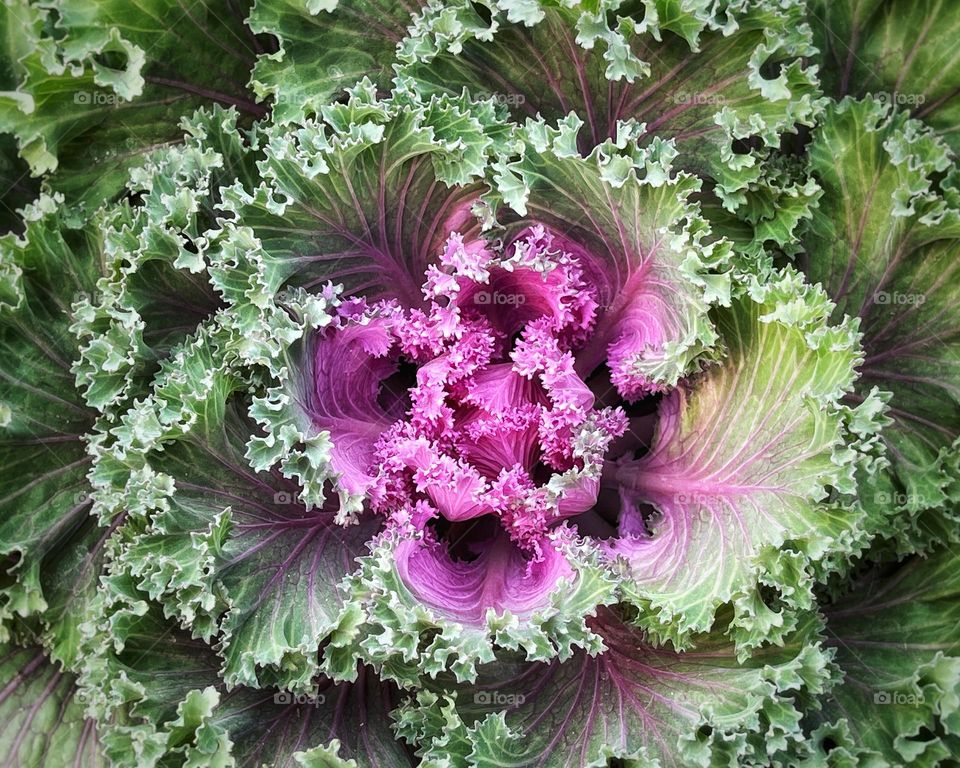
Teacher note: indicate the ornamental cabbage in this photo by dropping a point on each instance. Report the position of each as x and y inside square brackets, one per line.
[476, 383]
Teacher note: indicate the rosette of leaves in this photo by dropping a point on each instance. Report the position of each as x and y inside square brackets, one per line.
[475, 384]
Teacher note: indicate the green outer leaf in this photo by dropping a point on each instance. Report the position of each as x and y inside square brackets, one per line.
[41, 714]
[902, 51]
[704, 78]
[21, 25]
[515, 45]
[160, 701]
[325, 47]
[223, 548]
[884, 246]
[232, 553]
[741, 464]
[156, 290]
[347, 725]
[138, 674]
[45, 498]
[324, 757]
[107, 82]
[896, 639]
[648, 706]
[69, 579]
[353, 199]
[696, 86]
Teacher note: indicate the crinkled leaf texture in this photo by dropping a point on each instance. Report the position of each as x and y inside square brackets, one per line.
[895, 635]
[683, 73]
[101, 85]
[156, 291]
[418, 630]
[641, 245]
[901, 51]
[647, 705]
[325, 47]
[717, 87]
[233, 552]
[884, 245]
[46, 529]
[742, 459]
[364, 197]
[159, 698]
[490, 383]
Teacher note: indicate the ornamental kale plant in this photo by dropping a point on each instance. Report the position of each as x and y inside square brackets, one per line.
[479, 383]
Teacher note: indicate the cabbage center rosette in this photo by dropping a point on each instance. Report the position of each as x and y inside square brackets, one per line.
[477, 465]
